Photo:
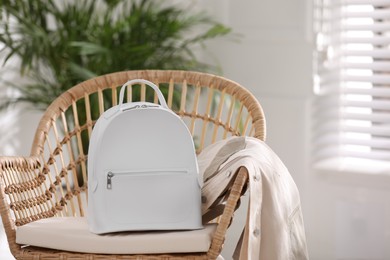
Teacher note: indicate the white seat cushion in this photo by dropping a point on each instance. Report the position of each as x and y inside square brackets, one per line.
[72, 234]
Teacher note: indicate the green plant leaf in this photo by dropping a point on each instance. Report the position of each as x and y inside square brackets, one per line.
[81, 72]
[88, 48]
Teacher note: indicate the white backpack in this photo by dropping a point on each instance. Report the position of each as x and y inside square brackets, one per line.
[142, 169]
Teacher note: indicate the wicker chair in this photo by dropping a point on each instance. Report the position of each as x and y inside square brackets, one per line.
[52, 182]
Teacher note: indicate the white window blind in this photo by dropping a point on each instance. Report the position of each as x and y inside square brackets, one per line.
[352, 80]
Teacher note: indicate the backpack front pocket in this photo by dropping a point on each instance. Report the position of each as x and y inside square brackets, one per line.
[148, 197]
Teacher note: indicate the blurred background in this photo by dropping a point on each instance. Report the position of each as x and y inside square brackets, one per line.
[294, 57]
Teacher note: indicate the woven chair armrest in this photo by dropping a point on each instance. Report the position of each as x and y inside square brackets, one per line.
[18, 163]
[9, 166]
[231, 205]
[11, 170]
[12, 166]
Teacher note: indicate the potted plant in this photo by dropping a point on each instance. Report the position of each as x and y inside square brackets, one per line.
[61, 43]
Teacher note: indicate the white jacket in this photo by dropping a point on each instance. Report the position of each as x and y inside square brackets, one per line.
[274, 229]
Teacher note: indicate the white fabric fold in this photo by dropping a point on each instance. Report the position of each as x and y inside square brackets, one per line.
[274, 228]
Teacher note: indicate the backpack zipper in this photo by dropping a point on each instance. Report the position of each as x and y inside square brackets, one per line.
[109, 182]
[130, 108]
[110, 175]
[140, 106]
[146, 106]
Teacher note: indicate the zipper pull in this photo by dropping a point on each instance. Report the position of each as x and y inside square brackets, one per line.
[109, 177]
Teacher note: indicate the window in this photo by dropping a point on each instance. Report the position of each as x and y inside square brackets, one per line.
[352, 81]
